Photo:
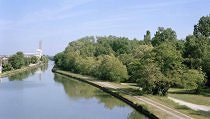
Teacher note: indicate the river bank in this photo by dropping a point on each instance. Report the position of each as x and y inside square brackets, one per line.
[109, 89]
[13, 72]
[152, 106]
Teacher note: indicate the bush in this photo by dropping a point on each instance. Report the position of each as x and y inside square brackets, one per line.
[112, 69]
[34, 59]
[193, 79]
[7, 67]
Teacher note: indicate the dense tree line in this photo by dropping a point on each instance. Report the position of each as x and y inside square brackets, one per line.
[18, 60]
[156, 64]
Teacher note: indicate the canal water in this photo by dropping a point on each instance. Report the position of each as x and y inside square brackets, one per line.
[41, 94]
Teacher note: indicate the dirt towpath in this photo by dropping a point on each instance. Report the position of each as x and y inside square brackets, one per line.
[191, 105]
[169, 112]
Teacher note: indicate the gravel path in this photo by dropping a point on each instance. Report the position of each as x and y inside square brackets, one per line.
[168, 112]
[191, 105]
[171, 113]
[105, 84]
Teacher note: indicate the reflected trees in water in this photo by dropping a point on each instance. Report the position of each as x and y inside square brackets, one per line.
[25, 74]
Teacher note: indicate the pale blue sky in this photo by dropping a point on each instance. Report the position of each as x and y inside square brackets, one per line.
[57, 22]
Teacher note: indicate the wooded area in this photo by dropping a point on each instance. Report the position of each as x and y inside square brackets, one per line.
[155, 64]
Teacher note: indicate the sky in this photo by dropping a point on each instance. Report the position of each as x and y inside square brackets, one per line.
[23, 23]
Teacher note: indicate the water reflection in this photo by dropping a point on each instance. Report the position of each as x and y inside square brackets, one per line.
[79, 90]
[136, 115]
[69, 98]
[25, 74]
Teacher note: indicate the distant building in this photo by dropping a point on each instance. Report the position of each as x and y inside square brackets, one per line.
[38, 52]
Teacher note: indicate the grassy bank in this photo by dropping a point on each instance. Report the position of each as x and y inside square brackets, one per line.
[13, 72]
[203, 98]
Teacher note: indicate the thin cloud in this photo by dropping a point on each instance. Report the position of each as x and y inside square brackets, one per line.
[64, 11]
[59, 13]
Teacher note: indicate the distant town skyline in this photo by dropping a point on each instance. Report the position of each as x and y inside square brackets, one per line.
[24, 23]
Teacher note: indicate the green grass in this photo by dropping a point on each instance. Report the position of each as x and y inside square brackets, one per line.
[186, 95]
[165, 101]
[192, 98]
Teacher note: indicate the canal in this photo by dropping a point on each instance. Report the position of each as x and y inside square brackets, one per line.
[41, 94]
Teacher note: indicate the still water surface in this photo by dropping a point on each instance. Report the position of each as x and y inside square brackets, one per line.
[41, 94]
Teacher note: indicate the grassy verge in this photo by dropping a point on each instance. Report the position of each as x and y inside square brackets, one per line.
[13, 72]
[183, 109]
[195, 99]
[200, 99]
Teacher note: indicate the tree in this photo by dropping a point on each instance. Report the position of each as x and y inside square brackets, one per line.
[112, 69]
[44, 59]
[7, 67]
[163, 35]
[59, 59]
[119, 45]
[147, 38]
[193, 79]
[168, 57]
[202, 46]
[69, 61]
[34, 59]
[27, 61]
[17, 60]
[86, 65]
[203, 27]
[195, 49]
[150, 77]
[103, 49]
[84, 46]
[206, 65]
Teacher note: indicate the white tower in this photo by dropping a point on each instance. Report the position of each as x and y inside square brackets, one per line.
[39, 50]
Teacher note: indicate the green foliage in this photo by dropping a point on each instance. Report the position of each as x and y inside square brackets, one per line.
[163, 35]
[59, 59]
[76, 59]
[206, 65]
[147, 38]
[150, 77]
[168, 62]
[7, 67]
[112, 69]
[202, 33]
[103, 49]
[27, 61]
[86, 65]
[17, 60]
[193, 79]
[78, 46]
[203, 27]
[119, 45]
[34, 59]
[168, 57]
[195, 47]
[44, 59]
